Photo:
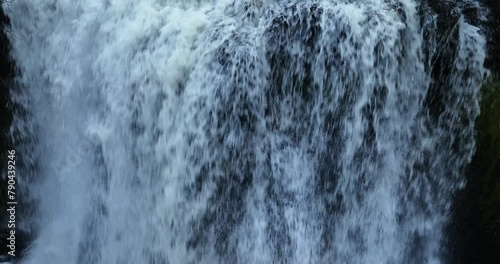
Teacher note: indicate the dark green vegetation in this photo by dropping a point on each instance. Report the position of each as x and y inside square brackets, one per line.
[487, 162]
[475, 230]
[488, 158]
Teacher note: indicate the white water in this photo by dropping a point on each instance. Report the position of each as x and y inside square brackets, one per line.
[240, 131]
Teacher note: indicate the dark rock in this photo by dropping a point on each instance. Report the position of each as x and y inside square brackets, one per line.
[493, 33]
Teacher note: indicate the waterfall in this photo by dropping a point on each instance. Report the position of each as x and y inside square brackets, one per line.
[243, 131]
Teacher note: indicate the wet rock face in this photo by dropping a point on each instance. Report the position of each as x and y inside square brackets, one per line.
[482, 13]
[492, 28]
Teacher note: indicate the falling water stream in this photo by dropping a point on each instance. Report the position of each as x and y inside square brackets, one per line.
[243, 131]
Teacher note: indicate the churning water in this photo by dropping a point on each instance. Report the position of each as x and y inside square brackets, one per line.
[243, 131]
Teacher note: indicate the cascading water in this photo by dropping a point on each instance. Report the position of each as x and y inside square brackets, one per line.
[243, 131]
